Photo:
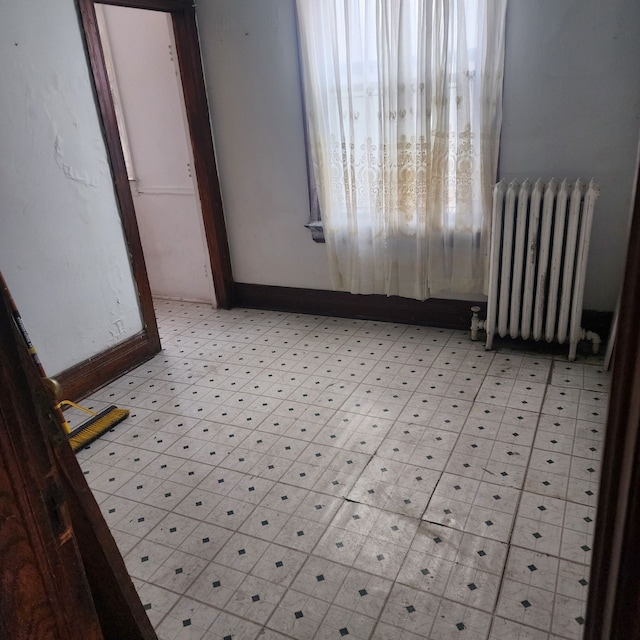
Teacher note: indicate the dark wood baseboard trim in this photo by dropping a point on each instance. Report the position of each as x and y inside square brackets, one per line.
[87, 376]
[436, 312]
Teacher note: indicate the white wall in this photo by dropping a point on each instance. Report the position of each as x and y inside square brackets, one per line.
[62, 250]
[571, 108]
[166, 202]
[250, 61]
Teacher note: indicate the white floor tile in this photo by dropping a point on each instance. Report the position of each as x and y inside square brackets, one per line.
[292, 476]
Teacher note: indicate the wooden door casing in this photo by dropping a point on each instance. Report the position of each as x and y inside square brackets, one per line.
[61, 574]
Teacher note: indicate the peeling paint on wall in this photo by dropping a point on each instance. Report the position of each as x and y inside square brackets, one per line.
[77, 176]
[62, 249]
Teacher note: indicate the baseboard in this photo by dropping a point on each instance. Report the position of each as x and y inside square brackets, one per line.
[436, 312]
[91, 374]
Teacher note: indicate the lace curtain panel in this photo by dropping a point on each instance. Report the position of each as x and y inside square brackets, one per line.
[404, 108]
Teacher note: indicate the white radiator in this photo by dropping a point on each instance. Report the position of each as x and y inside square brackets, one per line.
[539, 248]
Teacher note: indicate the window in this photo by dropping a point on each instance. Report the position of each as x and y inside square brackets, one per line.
[403, 108]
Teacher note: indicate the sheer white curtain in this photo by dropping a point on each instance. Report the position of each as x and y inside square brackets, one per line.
[403, 100]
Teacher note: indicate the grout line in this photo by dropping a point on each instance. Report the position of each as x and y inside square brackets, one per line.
[188, 360]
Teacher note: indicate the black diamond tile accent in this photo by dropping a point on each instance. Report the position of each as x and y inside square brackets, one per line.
[526, 604]
[532, 568]
[488, 523]
[583, 582]
[460, 626]
[299, 533]
[363, 592]
[173, 529]
[241, 552]
[344, 631]
[437, 540]
[320, 578]
[536, 535]
[425, 572]
[339, 545]
[298, 614]
[580, 620]
[410, 608]
[186, 623]
[264, 523]
[216, 584]
[179, 570]
[585, 548]
[472, 586]
[482, 553]
[144, 558]
[546, 483]
[379, 557]
[147, 606]
[279, 564]
[205, 540]
[255, 598]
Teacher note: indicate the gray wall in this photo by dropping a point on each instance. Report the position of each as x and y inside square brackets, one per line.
[571, 108]
[62, 249]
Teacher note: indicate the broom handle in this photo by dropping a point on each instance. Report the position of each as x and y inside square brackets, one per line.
[32, 350]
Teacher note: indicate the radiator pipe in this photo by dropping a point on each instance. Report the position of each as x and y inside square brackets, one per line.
[476, 323]
[595, 340]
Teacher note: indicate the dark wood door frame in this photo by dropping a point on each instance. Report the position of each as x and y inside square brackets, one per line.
[614, 590]
[197, 110]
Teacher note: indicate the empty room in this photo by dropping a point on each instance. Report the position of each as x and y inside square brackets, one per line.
[359, 280]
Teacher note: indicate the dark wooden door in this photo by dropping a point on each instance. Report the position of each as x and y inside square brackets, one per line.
[61, 575]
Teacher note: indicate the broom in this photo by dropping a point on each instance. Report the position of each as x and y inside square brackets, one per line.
[92, 428]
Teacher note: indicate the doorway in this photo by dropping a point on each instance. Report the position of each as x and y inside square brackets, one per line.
[139, 54]
[188, 61]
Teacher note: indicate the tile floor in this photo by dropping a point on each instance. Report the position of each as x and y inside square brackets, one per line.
[292, 476]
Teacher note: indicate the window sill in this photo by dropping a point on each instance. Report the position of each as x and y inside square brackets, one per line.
[317, 231]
